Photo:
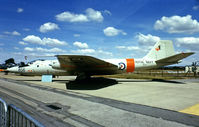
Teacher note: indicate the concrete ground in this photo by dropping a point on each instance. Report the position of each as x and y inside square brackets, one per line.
[173, 95]
[122, 96]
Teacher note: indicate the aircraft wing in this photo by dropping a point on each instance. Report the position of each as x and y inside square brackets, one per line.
[175, 58]
[82, 63]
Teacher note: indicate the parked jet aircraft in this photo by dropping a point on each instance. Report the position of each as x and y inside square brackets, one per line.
[161, 54]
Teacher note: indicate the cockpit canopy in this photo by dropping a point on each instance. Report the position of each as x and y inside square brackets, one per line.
[22, 64]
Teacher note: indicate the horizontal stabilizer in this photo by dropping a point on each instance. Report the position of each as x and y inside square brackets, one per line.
[174, 58]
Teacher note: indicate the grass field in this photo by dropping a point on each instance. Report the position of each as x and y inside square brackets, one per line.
[154, 74]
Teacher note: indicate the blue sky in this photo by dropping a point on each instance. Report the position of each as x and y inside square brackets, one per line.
[100, 28]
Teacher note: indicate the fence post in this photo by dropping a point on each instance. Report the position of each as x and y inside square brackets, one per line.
[3, 113]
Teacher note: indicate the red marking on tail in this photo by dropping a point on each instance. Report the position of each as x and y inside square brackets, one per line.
[158, 48]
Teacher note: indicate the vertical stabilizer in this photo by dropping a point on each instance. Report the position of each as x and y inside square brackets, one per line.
[162, 49]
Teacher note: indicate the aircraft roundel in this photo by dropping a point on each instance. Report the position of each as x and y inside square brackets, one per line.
[122, 66]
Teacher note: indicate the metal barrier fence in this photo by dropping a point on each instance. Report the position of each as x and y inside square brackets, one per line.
[19, 118]
[165, 73]
[11, 116]
[3, 113]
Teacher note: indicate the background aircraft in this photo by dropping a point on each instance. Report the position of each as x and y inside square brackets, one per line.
[82, 66]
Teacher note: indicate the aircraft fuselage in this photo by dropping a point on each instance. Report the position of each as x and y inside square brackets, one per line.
[53, 67]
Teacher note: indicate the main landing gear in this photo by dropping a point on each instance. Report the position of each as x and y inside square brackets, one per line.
[83, 76]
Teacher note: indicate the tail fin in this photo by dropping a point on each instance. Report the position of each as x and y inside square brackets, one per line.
[162, 49]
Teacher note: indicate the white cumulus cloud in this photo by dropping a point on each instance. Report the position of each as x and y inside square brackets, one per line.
[90, 15]
[28, 49]
[40, 49]
[19, 10]
[83, 51]
[22, 43]
[76, 35]
[189, 43]
[52, 41]
[111, 31]
[45, 41]
[71, 17]
[177, 24]
[33, 39]
[120, 47]
[80, 44]
[94, 15]
[128, 47]
[100, 52]
[147, 39]
[49, 50]
[15, 33]
[188, 40]
[133, 48]
[48, 27]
